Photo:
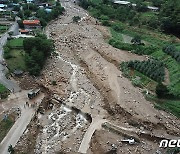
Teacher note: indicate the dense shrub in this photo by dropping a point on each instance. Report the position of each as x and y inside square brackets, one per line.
[37, 50]
[161, 90]
[138, 49]
[172, 51]
[106, 23]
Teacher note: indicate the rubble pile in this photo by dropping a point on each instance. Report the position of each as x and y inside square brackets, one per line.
[63, 127]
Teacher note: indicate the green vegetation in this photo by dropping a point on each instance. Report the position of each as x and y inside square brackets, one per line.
[28, 54]
[151, 68]
[115, 35]
[137, 78]
[147, 24]
[175, 150]
[2, 88]
[3, 28]
[170, 106]
[166, 20]
[138, 49]
[5, 126]
[45, 17]
[31, 10]
[150, 26]
[37, 50]
[169, 16]
[76, 19]
[172, 51]
[15, 55]
[13, 43]
[3, 92]
[15, 60]
[174, 71]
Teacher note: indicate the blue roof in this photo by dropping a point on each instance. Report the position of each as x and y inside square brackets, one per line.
[48, 10]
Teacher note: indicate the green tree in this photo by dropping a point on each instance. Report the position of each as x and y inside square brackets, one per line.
[161, 90]
[170, 17]
[27, 13]
[37, 50]
[20, 23]
[84, 4]
[141, 7]
[136, 40]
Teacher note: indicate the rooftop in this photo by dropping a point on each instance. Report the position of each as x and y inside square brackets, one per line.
[31, 22]
[122, 2]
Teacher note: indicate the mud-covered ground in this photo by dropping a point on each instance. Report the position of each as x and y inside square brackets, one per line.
[86, 71]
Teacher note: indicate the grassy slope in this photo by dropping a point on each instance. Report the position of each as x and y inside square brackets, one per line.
[159, 40]
[5, 126]
[17, 60]
[2, 88]
[16, 42]
[170, 106]
[3, 29]
[115, 35]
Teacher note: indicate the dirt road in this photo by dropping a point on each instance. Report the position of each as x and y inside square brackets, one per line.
[20, 125]
[95, 125]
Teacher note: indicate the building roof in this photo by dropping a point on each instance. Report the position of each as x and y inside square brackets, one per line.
[2, 10]
[24, 30]
[2, 5]
[122, 2]
[153, 8]
[133, 4]
[48, 10]
[31, 22]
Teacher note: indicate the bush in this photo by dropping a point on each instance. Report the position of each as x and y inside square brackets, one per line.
[161, 90]
[106, 23]
[117, 28]
[138, 49]
[172, 51]
[103, 17]
[54, 83]
[37, 50]
[151, 68]
[136, 82]
[76, 19]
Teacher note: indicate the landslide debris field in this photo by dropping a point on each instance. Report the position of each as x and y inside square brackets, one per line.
[90, 92]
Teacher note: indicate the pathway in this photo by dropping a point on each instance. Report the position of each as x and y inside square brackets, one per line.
[19, 127]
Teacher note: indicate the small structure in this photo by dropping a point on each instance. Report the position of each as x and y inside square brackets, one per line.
[2, 10]
[32, 24]
[24, 31]
[3, 6]
[152, 8]
[130, 141]
[122, 2]
[33, 93]
[48, 10]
